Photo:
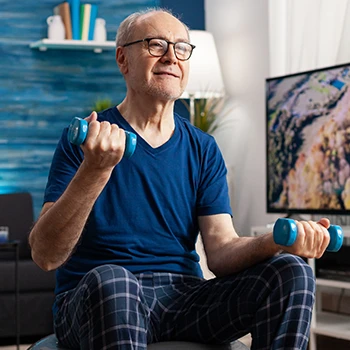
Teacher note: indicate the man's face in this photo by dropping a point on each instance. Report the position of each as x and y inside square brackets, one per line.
[163, 77]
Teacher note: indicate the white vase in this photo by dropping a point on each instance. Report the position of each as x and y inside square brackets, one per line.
[100, 33]
[55, 29]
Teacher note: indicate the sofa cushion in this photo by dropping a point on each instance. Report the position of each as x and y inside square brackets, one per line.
[35, 314]
[31, 277]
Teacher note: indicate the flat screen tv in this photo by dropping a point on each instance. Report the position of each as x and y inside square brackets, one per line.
[308, 142]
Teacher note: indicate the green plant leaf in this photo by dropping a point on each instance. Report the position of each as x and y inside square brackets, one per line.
[206, 111]
[101, 104]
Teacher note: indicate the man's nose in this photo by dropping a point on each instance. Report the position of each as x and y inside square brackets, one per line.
[170, 54]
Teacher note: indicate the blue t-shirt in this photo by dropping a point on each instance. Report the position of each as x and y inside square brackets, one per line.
[145, 219]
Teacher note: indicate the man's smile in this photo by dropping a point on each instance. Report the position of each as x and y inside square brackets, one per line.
[166, 73]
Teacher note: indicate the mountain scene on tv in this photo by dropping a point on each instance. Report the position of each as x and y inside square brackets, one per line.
[308, 141]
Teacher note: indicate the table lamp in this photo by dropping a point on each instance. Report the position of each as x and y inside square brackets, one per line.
[205, 78]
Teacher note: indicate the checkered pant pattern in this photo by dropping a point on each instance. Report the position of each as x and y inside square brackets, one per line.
[113, 309]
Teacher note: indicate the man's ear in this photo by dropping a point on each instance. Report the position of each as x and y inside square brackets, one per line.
[121, 60]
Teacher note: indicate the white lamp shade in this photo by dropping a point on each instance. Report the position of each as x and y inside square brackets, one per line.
[205, 78]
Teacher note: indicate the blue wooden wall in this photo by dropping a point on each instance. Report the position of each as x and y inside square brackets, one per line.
[40, 92]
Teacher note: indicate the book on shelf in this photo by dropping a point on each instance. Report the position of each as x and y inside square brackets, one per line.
[75, 18]
[88, 14]
[63, 10]
[93, 15]
[85, 10]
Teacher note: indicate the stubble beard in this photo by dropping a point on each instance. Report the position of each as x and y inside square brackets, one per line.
[164, 94]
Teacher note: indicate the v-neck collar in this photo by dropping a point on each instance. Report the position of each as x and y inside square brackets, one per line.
[141, 142]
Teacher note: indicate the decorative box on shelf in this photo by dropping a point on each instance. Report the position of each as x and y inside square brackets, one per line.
[96, 46]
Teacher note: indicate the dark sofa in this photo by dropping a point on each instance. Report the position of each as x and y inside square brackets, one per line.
[36, 287]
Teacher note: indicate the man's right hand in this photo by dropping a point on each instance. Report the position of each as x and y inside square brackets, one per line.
[104, 145]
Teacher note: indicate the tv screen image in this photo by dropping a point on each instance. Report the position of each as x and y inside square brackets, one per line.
[308, 142]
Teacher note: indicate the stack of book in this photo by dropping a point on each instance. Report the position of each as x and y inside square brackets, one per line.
[78, 19]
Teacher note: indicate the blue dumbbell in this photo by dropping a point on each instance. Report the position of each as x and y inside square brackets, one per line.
[285, 233]
[78, 129]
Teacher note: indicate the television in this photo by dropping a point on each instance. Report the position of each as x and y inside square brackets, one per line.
[308, 142]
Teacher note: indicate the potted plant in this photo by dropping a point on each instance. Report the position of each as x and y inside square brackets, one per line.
[206, 112]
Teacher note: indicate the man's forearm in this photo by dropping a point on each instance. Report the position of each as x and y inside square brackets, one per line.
[57, 231]
[242, 252]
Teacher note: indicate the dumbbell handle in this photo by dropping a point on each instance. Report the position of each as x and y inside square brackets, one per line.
[78, 129]
[285, 233]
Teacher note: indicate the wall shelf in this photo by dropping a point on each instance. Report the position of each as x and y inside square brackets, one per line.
[96, 46]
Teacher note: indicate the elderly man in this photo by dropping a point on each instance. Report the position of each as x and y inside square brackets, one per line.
[121, 232]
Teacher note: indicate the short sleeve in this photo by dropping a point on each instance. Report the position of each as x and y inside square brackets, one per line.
[65, 163]
[213, 196]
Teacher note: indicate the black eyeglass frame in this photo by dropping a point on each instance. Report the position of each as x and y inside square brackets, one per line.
[147, 40]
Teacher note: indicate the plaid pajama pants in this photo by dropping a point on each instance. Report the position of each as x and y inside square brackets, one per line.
[113, 309]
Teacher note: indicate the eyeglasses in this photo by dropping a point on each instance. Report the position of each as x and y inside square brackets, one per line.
[159, 47]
